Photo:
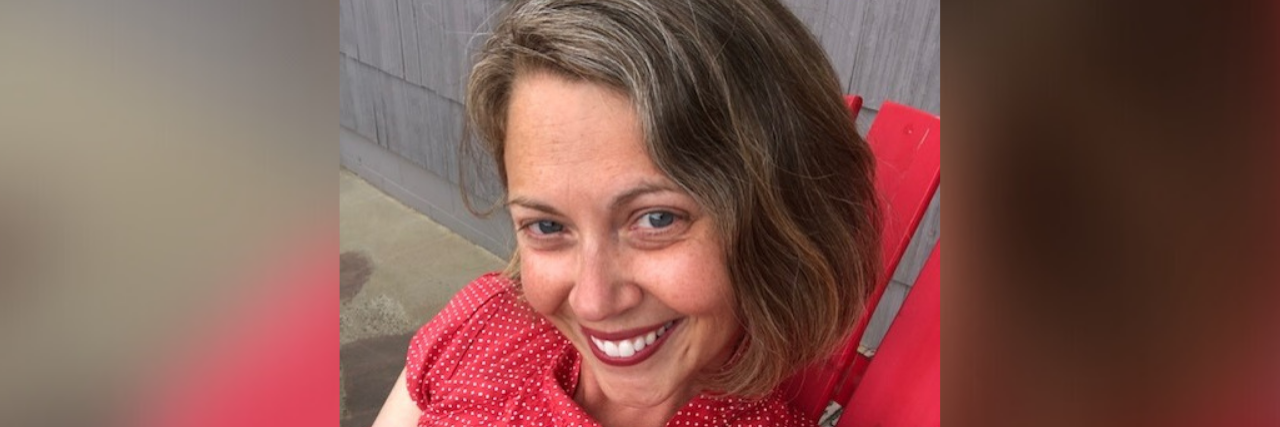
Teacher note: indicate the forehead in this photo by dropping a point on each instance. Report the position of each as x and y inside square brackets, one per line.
[572, 135]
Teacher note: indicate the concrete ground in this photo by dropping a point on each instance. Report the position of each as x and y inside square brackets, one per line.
[398, 269]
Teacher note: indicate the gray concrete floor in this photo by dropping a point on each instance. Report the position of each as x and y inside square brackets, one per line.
[398, 269]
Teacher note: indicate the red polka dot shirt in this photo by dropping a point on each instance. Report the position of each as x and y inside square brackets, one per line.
[487, 359]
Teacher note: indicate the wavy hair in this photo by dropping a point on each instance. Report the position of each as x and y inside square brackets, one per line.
[740, 106]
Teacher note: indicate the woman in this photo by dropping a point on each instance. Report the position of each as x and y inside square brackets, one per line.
[694, 212]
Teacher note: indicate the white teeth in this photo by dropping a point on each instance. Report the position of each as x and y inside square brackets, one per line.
[628, 348]
[610, 348]
[663, 329]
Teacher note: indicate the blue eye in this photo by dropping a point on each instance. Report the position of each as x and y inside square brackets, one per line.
[547, 227]
[657, 219]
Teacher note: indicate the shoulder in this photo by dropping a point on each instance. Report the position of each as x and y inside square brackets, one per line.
[486, 293]
[438, 348]
[477, 294]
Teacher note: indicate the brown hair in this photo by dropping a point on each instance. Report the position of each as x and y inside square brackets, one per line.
[740, 106]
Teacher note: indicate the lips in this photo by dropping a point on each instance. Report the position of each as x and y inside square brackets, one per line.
[629, 347]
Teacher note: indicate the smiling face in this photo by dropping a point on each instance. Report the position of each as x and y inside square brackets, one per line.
[625, 264]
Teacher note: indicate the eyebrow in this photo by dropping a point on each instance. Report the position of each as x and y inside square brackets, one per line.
[646, 187]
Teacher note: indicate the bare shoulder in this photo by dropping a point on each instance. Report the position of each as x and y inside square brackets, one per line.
[399, 410]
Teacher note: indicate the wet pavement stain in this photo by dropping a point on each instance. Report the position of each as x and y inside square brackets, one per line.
[355, 267]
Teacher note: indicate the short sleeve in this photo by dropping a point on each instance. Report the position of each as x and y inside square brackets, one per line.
[436, 351]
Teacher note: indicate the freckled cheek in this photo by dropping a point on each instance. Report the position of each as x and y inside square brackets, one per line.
[543, 281]
[696, 280]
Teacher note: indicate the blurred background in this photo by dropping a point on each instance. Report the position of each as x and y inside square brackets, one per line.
[408, 242]
[162, 164]
[167, 186]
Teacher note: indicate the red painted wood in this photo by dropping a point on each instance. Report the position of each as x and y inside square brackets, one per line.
[906, 143]
[902, 385]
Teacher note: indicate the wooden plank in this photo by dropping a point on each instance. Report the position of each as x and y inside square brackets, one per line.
[833, 34]
[884, 313]
[438, 145]
[462, 57]
[418, 104]
[448, 54]
[464, 23]
[379, 35]
[447, 144]
[430, 45]
[376, 83]
[362, 80]
[346, 105]
[430, 136]
[908, 271]
[434, 110]
[813, 13]
[407, 24]
[358, 24]
[479, 25]
[396, 118]
[931, 96]
[392, 112]
[347, 35]
[922, 242]
[886, 49]
[866, 116]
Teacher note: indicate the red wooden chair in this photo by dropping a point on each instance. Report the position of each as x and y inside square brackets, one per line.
[906, 145]
[902, 384]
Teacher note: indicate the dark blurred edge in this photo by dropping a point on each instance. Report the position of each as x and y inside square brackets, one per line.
[1112, 216]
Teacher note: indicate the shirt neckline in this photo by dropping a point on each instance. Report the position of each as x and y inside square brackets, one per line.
[560, 383]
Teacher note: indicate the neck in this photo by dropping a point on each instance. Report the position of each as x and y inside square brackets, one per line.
[610, 413]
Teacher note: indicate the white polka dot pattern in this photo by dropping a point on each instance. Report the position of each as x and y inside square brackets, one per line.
[487, 359]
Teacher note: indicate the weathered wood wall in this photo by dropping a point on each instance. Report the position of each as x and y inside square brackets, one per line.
[404, 65]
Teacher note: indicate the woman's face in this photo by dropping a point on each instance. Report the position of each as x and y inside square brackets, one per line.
[624, 263]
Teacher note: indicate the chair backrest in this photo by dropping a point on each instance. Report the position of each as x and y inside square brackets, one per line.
[902, 384]
[854, 102]
[906, 144]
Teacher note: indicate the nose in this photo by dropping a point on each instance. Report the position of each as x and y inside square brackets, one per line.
[602, 288]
